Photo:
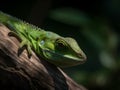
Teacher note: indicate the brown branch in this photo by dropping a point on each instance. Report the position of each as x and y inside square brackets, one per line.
[23, 73]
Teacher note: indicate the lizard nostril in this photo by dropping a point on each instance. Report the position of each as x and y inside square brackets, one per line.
[82, 55]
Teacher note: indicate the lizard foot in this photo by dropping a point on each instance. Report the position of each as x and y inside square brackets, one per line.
[25, 45]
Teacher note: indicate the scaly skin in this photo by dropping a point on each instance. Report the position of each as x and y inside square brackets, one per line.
[58, 50]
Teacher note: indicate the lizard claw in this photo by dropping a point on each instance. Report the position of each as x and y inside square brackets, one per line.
[20, 50]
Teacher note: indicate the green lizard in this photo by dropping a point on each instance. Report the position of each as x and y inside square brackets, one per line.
[58, 50]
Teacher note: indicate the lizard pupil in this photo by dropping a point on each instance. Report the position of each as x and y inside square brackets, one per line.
[61, 45]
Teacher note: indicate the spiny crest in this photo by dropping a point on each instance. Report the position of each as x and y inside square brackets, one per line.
[17, 20]
[30, 25]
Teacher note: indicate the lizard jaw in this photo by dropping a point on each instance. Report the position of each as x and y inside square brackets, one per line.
[62, 60]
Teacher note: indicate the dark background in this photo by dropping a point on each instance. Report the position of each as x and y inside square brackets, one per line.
[95, 24]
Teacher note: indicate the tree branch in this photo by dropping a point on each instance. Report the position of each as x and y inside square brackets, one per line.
[23, 73]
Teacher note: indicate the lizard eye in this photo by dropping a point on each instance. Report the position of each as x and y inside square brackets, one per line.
[60, 44]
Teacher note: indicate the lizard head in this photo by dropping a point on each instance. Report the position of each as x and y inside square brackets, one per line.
[63, 52]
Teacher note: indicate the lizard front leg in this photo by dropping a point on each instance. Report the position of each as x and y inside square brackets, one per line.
[25, 43]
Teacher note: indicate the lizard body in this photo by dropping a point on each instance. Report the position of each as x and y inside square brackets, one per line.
[58, 50]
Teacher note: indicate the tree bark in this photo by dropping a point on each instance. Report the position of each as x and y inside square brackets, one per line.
[23, 73]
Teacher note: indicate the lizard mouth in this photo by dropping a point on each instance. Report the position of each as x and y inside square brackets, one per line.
[77, 58]
[70, 58]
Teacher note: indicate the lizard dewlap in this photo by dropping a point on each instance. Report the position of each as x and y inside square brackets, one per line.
[58, 50]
